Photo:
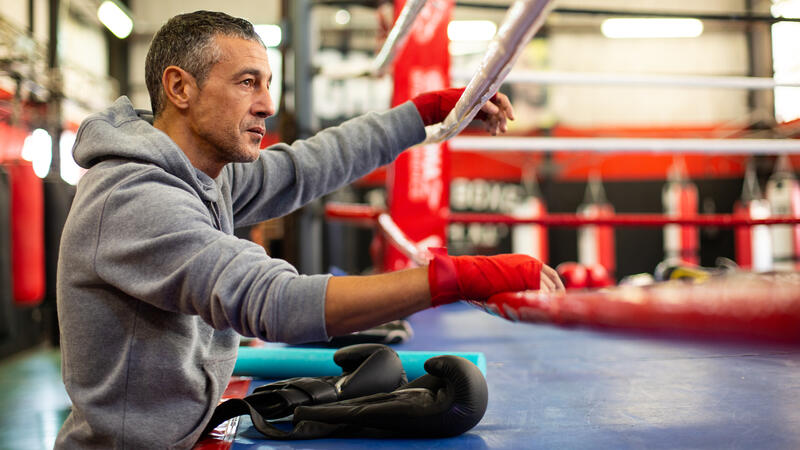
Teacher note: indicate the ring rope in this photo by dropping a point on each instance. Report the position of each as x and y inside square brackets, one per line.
[397, 36]
[522, 21]
[740, 304]
[636, 80]
[624, 220]
[396, 236]
[622, 145]
[367, 215]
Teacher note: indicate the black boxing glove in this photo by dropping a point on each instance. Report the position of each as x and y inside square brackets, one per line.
[366, 369]
[449, 400]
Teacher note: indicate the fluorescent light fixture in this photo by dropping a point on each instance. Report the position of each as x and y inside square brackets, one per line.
[656, 27]
[342, 17]
[785, 48]
[115, 19]
[471, 30]
[786, 9]
[275, 63]
[38, 149]
[270, 34]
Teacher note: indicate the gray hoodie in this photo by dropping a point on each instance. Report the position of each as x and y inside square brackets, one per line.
[153, 288]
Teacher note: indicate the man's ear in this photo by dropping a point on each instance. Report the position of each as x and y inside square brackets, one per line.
[179, 86]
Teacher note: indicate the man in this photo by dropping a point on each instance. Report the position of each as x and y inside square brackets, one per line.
[153, 288]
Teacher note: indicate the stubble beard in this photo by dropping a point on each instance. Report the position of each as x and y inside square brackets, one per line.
[233, 150]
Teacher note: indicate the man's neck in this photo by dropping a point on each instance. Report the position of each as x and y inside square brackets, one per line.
[174, 128]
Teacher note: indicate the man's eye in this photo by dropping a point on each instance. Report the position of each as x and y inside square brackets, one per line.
[247, 83]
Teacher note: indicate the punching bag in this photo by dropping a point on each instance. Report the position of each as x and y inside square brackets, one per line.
[58, 196]
[530, 239]
[27, 234]
[753, 244]
[6, 292]
[596, 245]
[783, 195]
[680, 199]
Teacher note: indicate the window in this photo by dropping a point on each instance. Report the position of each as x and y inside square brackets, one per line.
[786, 59]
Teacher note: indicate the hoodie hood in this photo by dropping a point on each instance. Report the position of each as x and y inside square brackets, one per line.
[122, 132]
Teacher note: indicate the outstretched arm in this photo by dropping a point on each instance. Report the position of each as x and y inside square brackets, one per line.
[359, 302]
[355, 303]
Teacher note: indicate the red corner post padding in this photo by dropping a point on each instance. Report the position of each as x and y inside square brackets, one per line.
[27, 233]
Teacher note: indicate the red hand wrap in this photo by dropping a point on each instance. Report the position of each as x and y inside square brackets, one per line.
[453, 278]
[434, 106]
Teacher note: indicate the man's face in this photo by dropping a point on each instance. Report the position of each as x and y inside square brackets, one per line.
[227, 116]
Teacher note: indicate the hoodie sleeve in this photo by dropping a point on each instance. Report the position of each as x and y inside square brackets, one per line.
[156, 243]
[285, 177]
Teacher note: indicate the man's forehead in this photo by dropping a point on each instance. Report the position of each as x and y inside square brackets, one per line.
[245, 52]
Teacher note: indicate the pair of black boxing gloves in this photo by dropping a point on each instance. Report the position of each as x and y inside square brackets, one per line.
[371, 399]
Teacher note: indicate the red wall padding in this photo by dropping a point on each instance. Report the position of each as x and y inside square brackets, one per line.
[27, 233]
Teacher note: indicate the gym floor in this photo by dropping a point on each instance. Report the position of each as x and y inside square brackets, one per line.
[33, 403]
[548, 388]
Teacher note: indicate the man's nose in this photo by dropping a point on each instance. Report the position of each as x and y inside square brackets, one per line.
[264, 107]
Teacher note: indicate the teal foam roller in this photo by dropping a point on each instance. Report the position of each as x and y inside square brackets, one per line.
[288, 362]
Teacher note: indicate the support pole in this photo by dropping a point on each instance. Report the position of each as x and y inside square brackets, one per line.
[310, 245]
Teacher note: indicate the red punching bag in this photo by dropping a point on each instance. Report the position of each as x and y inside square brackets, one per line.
[27, 233]
[596, 245]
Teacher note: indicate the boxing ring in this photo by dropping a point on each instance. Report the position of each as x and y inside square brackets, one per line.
[711, 364]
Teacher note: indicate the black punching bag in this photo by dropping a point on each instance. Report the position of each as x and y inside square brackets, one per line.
[6, 292]
[58, 196]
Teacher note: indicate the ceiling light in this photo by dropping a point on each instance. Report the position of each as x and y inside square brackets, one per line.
[115, 18]
[788, 9]
[270, 34]
[342, 17]
[621, 28]
[471, 30]
[38, 149]
[70, 171]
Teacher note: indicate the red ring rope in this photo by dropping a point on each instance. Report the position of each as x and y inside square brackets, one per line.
[741, 304]
[624, 220]
[366, 214]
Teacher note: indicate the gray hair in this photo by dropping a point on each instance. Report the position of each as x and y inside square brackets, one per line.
[187, 41]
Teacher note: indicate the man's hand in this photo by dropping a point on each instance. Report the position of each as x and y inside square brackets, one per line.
[496, 113]
[453, 278]
[549, 281]
[434, 106]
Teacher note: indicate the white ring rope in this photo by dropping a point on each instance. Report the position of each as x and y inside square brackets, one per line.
[397, 36]
[523, 20]
[632, 80]
[394, 41]
[654, 145]
[397, 237]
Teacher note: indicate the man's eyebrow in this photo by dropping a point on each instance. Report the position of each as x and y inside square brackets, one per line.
[251, 71]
